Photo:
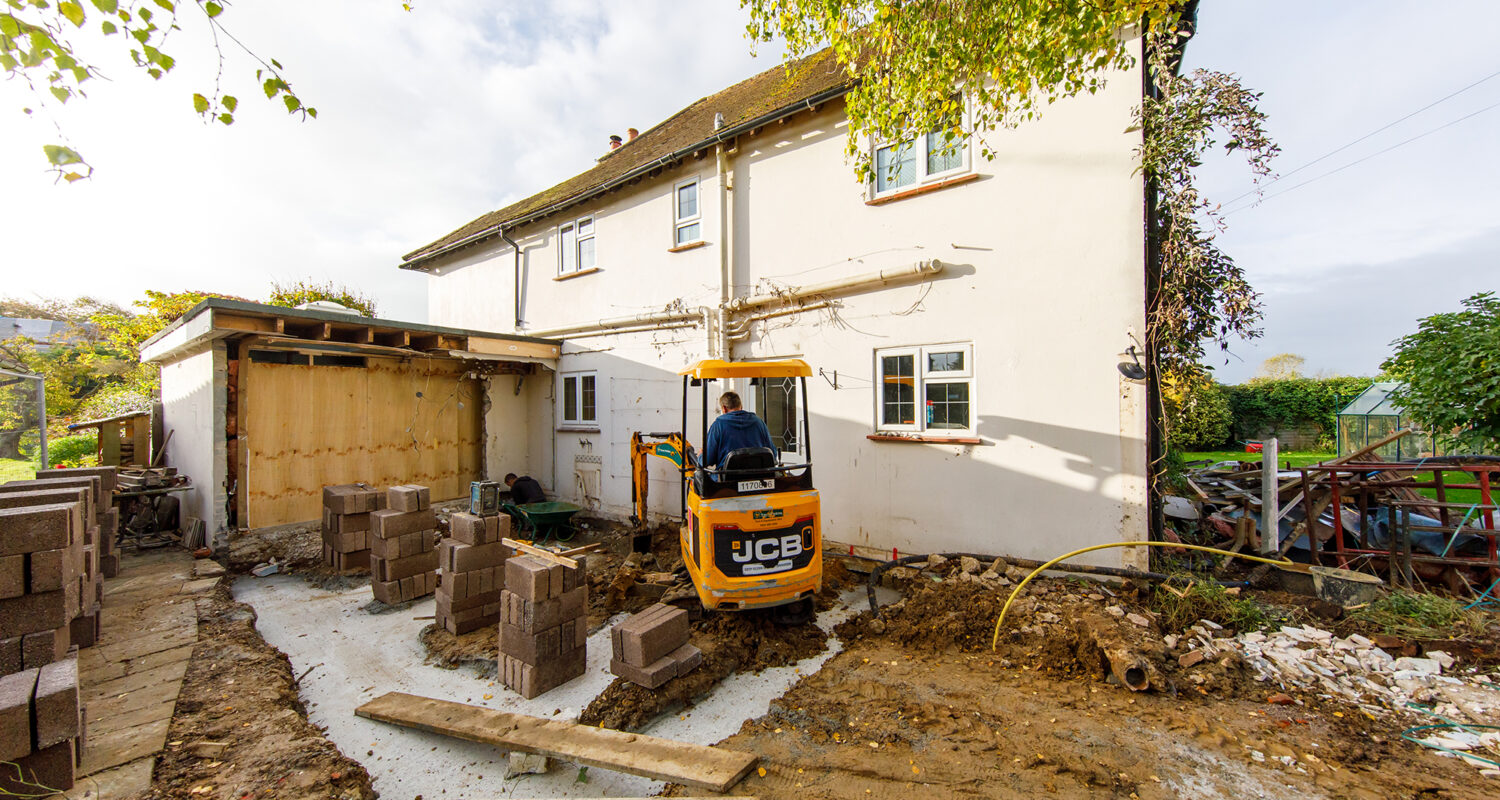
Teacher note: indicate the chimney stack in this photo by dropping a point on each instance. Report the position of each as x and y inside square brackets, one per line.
[614, 142]
[631, 133]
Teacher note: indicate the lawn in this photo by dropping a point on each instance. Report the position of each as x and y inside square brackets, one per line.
[1295, 457]
[1301, 459]
[16, 470]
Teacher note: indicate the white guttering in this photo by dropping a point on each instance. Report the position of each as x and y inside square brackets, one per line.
[920, 270]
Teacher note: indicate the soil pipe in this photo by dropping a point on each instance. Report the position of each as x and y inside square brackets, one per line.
[647, 320]
[740, 330]
[920, 270]
[725, 268]
[665, 326]
[515, 248]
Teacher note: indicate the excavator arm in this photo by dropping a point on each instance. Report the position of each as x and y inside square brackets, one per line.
[670, 446]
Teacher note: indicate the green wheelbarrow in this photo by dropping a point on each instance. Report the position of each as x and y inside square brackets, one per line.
[552, 519]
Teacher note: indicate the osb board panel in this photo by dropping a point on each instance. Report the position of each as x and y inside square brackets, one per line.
[392, 422]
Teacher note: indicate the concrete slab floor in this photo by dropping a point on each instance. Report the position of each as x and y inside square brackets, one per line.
[359, 656]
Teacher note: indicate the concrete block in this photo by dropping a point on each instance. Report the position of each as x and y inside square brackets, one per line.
[573, 604]
[33, 612]
[555, 579]
[533, 680]
[93, 503]
[519, 763]
[42, 773]
[84, 629]
[27, 529]
[10, 655]
[573, 633]
[574, 578]
[459, 557]
[44, 647]
[651, 677]
[352, 498]
[109, 565]
[409, 497]
[16, 693]
[452, 603]
[532, 648]
[473, 529]
[687, 658]
[528, 577]
[48, 570]
[56, 704]
[109, 477]
[350, 542]
[12, 576]
[347, 523]
[389, 523]
[651, 638]
[385, 569]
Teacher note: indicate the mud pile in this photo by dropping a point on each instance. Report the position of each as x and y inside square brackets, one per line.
[239, 696]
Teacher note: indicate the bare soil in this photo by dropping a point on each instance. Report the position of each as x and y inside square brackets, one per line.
[240, 691]
[919, 706]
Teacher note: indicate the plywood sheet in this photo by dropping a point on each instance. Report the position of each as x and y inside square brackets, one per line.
[394, 421]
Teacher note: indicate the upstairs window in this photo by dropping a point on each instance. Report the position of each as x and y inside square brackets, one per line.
[938, 154]
[576, 253]
[687, 226]
[579, 405]
[927, 388]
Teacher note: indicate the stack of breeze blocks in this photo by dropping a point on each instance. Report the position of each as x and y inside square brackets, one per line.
[403, 564]
[543, 624]
[471, 572]
[346, 524]
[652, 647]
[52, 532]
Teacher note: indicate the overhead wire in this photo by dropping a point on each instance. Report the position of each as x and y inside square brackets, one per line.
[1382, 128]
[1362, 160]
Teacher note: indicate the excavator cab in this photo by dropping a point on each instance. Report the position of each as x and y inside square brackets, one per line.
[751, 534]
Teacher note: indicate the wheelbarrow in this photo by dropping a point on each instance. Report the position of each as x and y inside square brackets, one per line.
[549, 519]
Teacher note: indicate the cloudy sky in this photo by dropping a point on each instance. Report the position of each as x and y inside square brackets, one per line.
[430, 118]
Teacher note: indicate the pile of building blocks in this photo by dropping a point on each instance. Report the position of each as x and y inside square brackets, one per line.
[108, 512]
[51, 590]
[346, 524]
[471, 572]
[403, 563]
[652, 647]
[543, 623]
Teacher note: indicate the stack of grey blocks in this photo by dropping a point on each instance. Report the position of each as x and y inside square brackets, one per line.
[543, 624]
[403, 563]
[651, 648]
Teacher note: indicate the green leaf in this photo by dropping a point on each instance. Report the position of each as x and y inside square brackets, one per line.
[108, 27]
[8, 63]
[271, 86]
[9, 27]
[275, 63]
[167, 4]
[59, 155]
[107, 6]
[230, 101]
[312, 112]
[73, 12]
[292, 103]
[212, 9]
[200, 104]
[61, 93]
[226, 118]
[72, 176]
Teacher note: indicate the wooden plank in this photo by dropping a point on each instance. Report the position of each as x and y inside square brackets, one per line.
[709, 768]
[236, 322]
[508, 347]
[540, 553]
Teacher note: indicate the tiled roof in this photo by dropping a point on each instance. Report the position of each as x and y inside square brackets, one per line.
[779, 88]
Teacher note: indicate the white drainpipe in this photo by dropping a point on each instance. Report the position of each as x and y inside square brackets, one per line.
[921, 269]
[617, 323]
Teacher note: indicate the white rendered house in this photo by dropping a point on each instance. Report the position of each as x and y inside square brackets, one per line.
[964, 317]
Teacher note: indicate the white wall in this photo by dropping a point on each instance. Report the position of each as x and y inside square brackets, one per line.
[193, 407]
[1045, 277]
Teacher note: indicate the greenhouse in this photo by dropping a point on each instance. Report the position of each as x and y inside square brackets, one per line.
[1371, 417]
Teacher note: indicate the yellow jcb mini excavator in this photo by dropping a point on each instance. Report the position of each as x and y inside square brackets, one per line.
[750, 534]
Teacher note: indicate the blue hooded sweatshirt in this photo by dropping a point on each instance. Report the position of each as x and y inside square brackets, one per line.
[733, 431]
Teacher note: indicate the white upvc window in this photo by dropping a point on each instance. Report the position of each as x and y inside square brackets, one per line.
[687, 215]
[576, 251]
[908, 164]
[579, 396]
[928, 388]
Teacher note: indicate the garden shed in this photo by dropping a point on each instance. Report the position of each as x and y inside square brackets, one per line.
[1372, 416]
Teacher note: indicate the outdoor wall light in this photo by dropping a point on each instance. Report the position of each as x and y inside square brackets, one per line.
[1132, 369]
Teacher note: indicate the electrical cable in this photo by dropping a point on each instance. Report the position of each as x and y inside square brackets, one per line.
[1385, 127]
[1361, 161]
[1000, 620]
